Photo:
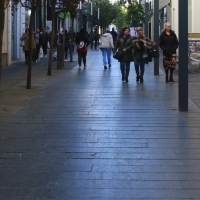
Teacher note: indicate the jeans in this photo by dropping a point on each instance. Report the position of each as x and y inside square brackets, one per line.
[125, 68]
[106, 53]
[140, 66]
[82, 55]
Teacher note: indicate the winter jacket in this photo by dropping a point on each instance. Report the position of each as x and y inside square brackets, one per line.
[121, 44]
[141, 45]
[44, 38]
[106, 41]
[168, 43]
[26, 42]
[86, 41]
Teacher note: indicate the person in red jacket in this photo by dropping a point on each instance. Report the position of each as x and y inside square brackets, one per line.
[82, 43]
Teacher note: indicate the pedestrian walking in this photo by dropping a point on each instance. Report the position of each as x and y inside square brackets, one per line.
[37, 42]
[66, 43]
[114, 35]
[96, 38]
[141, 45]
[123, 44]
[168, 43]
[106, 46]
[82, 43]
[25, 38]
[44, 40]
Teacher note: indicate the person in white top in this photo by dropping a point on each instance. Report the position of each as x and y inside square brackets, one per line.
[106, 46]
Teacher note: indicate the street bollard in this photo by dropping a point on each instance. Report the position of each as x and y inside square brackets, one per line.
[60, 56]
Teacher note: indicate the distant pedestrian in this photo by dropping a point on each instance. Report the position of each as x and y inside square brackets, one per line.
[106, 45]
[141, 44]
[114, 35]
[123, 44]
[169, 43]
[66, 43]
[82, 43]
[25, 38]
[96, 38]
[37, 42]
[44, 41]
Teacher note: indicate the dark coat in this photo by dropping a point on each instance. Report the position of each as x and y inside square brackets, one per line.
[168, 43]
[84, 38]
[120, 45]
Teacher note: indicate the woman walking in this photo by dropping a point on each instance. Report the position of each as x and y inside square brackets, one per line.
[82, 43]
[106, 45]
[25, 38]
[140, 45]
[124, 45]
[168, 43]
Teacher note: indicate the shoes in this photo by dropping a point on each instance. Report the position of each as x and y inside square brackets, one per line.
[105, 67]
[126, 79]
[122, 78]
[141, 80]
[85, 66]
[137, 78]
[109, 66]
[166, 79]
[79, 67]
[171, 79]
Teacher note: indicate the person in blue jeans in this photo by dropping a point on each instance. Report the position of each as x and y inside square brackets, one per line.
[124, 44]
[106, 46]
[140, 45]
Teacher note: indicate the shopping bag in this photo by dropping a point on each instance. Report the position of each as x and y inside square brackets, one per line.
[41, 53]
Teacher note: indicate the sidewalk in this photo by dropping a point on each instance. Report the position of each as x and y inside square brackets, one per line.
[85, 134]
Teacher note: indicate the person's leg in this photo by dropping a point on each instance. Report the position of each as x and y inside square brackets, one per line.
[127, 70]
[166, 76]
[37, 51]
[84, 55]
[44, 46]
[122, 67]
[142, 69]
[79, 58]
[137, 64]
[171, 75]
[104, 58]
[109, 57]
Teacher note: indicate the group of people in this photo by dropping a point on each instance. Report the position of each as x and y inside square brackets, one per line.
[39, 40]
[137, 49]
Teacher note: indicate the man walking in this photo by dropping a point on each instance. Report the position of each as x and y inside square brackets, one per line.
[114, 35]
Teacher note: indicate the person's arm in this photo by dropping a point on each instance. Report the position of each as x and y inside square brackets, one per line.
[161, 42]
[23, 37]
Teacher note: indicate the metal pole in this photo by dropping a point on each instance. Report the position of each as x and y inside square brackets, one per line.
[183, 55]
[98, 19]
[146, 19]
[156, 34]
[91, 15]
[80, 15]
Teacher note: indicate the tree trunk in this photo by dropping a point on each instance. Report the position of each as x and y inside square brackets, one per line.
[30, 49]
[2, 18]
[52, 38]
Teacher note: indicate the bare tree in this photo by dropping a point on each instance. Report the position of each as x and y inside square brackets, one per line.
[32, 5]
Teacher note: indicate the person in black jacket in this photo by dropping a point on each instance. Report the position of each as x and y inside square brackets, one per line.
[169, 43]
[82, 43]
[44, 40]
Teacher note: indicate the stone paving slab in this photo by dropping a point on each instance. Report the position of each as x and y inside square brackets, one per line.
[84, 134]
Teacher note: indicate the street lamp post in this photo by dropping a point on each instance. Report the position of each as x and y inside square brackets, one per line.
[80, 15]
[183, 55]
[91, 17]
[147, 19]
[156, 34]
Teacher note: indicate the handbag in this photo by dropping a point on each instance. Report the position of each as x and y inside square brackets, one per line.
[118, 56]
[154, 53]
[22, 43]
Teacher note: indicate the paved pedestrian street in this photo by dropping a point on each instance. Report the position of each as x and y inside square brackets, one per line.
[85, 134]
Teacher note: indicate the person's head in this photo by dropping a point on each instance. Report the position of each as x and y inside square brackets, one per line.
[27, 30]
[139, 31]
[126, 31]
[168, 26]
[107, 30]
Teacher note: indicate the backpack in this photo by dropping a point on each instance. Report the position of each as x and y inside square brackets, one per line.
[81, 45]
